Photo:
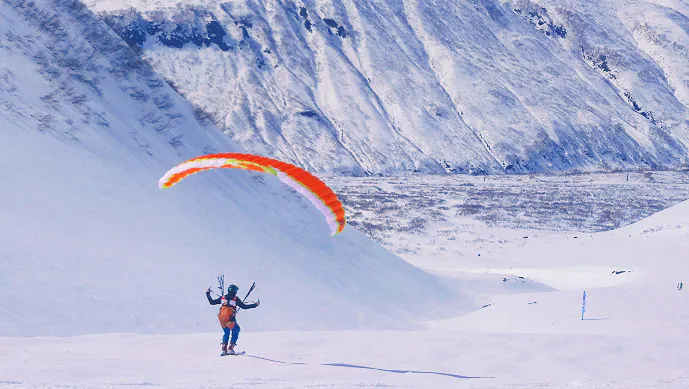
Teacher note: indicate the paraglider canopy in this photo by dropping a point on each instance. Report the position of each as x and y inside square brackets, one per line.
[317, 192]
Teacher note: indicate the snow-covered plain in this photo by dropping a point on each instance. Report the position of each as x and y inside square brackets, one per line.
[422, 216]
[528, 335]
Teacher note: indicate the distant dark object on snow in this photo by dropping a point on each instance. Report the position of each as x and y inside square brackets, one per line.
[308, 113]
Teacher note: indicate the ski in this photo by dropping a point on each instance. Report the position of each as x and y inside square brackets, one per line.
[235, 353]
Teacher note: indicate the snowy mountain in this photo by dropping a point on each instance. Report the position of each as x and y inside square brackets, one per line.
[383, 87]
[89, 244]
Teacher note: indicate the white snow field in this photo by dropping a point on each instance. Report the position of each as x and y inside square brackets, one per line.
[89, 244]
[102, 274]
[530, 336]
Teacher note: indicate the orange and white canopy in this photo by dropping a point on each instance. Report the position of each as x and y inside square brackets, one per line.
[319, 194]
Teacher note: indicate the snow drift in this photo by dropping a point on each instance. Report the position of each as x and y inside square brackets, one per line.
[89, 244]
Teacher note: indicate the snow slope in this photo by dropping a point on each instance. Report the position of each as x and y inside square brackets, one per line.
[634, 335]
[89, 244]
[371, 87]
[673, 221]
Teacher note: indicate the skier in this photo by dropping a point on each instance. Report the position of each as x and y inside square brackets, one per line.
[227, 316]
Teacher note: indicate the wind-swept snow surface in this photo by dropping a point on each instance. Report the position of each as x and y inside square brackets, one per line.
[89, 244]
[360, 87]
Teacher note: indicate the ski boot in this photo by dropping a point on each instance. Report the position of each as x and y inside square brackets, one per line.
[230, 350]
[224, 349]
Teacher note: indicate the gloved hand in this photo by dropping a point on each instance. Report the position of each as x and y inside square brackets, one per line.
[258, 302]
[208, 291]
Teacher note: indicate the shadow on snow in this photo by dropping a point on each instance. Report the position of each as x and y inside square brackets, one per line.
[347, 365]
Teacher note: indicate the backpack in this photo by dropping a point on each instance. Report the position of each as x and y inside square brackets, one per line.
[227, 313]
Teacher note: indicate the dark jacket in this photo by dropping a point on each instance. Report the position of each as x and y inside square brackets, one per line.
[229, 297]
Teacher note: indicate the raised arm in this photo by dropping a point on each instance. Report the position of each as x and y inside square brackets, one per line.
[212, 301]
[241, 304]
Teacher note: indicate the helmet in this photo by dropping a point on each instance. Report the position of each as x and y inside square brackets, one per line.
[232, 289]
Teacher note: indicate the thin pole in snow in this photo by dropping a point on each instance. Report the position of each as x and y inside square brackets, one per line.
[583, 305]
